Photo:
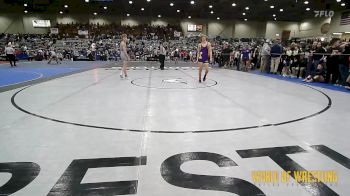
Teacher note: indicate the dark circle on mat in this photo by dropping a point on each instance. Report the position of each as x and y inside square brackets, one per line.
[173, 132]
[214, 83]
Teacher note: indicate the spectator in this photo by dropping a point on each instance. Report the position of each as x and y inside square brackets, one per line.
[333, 62]
[318, 58]
[295, 58]
[237, 59]
[226, 54]
[317, 76]
[265, 56]
[343, 63]
[246, 56]
[255, 57]
[287, 62]
[276, 52]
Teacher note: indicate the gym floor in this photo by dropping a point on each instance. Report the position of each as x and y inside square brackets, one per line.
[82, 130]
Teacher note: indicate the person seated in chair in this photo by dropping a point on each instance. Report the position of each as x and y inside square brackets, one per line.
[317, 76]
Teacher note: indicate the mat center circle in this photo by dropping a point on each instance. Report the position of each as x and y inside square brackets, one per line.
[172, 82]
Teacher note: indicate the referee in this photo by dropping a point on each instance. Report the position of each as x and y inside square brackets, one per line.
[162, 53]
[10, 54]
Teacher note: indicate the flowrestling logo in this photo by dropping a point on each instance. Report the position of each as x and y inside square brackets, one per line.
[324, 13]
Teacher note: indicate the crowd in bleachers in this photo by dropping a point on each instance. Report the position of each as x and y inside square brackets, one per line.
[138, 32]
[314, 60]
[105, 38]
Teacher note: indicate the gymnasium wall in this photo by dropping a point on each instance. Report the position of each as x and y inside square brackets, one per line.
[335, 24]
[245, 29]
[134, 21]
[312, 27]
[221, 28]
[276, 27]
[68, 19]
[224, 28]
[21, 24]
[6, 26]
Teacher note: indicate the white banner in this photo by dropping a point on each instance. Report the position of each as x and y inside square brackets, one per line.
[54, 30]
[83, 32]
[191, 28]
[194, 28]
[41, 23]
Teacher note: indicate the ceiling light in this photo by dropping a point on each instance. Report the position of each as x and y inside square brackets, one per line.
[65, 6]
[177, 11]
[308, 9]
[189, 17]
[272, 6]
[338, 1]
[95, 13]
[306, 2]
[192, 2]
[105, 7]
[210, 6]
[281, 10]
[87, 1]
[246, 8]
[159, 16]
[212, 12]
[337, 33]
[25, 11]
[245, 19]
[142, 9]
[61, 12]
[25, 5]
[148, 0]
[218, 18]
[171, 4]
[274, 15]
[130, 2]
[234, 5]
[275, 19]
[127, 14]
[343, 4]
[243, 14]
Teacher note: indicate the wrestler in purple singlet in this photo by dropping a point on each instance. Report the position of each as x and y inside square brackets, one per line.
[204, 54]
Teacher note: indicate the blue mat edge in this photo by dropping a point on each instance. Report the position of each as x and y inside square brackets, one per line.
[300, 81]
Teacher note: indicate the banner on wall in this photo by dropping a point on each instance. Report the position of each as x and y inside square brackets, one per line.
[83, 32]
[194, 28]
[199, 28]
[41, 23]
[345, 18]
[54, 30]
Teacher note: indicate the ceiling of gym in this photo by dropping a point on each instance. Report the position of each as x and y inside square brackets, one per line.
[286, 10]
